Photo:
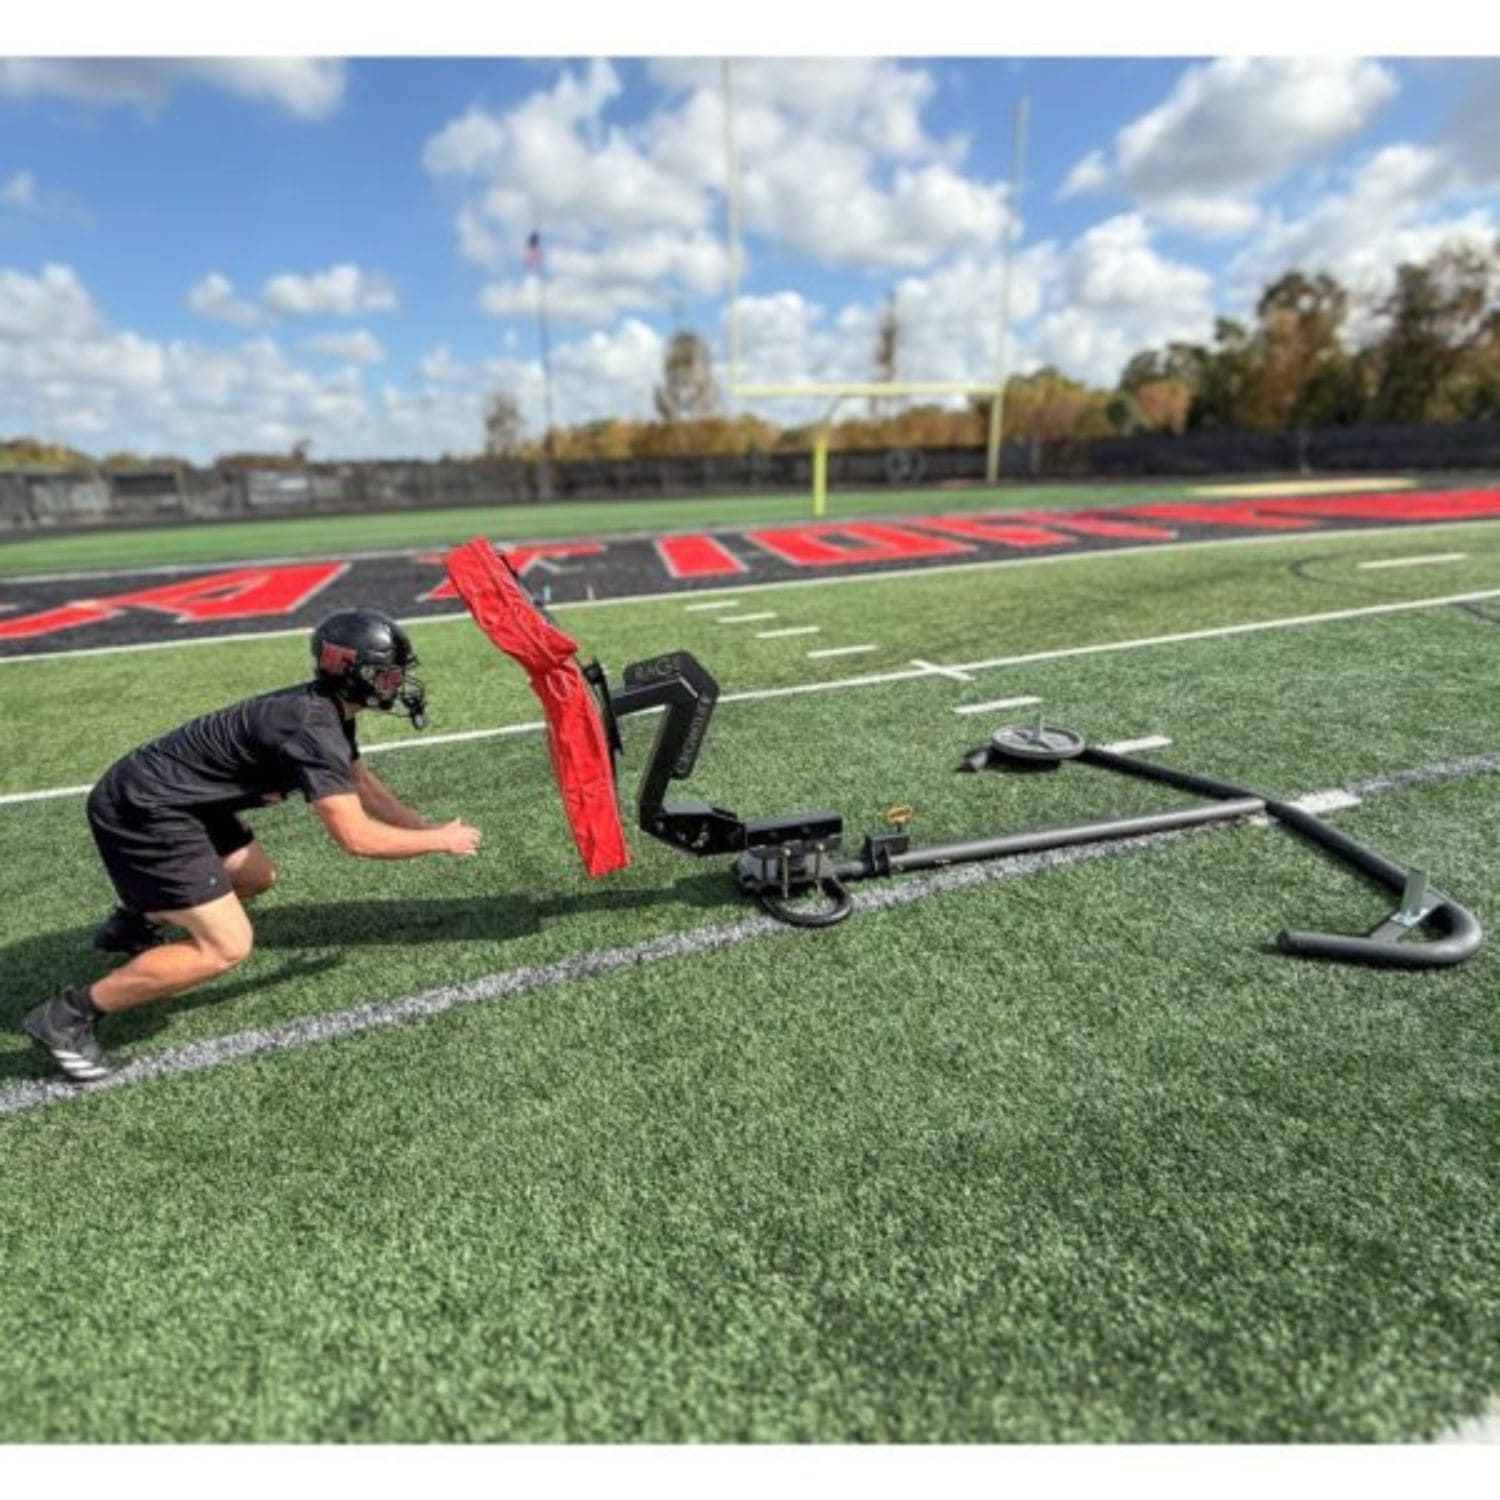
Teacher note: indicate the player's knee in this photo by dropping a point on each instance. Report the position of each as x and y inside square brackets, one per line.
[257, 882]
[229, 949]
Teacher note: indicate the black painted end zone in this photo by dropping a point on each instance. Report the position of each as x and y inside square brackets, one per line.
[68, 614]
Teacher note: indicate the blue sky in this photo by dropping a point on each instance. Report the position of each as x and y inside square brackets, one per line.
[196, 257]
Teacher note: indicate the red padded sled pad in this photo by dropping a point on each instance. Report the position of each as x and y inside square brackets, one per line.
[575, 738]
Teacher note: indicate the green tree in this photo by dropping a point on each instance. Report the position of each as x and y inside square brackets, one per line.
[504, 431]
[1442, 322]
[687, 389]
[1300, 370]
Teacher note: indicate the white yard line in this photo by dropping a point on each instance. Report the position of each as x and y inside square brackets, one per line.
[984, 708]
[1216, 632]
[958, 674]
[927, 669]
[1129, 747]
[828, 651]
[663, 595]
[777, 635]
[292, 1035]
[1411, 562]
[769, 614]
[710, 604]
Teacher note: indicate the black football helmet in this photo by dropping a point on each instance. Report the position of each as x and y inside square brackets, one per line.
[366, 657]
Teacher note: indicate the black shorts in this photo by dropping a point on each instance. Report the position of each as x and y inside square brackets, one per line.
[163, 859]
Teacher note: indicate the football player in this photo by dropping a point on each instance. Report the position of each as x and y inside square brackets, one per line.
[166, 822]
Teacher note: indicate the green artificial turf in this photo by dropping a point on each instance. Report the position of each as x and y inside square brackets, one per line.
[1069, 1156]
[962, 614]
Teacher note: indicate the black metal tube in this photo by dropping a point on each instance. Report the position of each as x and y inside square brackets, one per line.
[1038, 839]
[1461, 929]
[1462, 938]
[1149, 770]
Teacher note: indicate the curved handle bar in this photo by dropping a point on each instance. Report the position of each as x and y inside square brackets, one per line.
[1462, 937]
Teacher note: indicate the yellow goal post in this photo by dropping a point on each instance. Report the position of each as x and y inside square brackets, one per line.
[835, 392]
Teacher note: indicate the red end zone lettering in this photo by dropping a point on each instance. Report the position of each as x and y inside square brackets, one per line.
[1434, 505]
[246, 594]
[1085, 524]
[697, 557]
[1207, 513]
[520, 558]
[813, 546]
[50, 621]
[1008, 533]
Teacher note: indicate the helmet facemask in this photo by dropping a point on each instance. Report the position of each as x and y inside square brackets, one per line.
[392, 689]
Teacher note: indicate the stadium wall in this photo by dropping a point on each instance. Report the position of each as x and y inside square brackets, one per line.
[37, 499]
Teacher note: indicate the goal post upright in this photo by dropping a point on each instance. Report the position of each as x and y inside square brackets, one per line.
[833, 392]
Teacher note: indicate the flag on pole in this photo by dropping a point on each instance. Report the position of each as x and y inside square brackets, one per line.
[532, 255]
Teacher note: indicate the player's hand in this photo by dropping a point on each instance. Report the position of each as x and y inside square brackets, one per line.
[458, 838]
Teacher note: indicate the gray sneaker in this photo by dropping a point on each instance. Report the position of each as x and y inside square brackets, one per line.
[64, 1027]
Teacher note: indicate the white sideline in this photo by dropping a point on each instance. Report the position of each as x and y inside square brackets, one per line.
[455, 616]
[289, 1035]
[45, 793]
[926, 669]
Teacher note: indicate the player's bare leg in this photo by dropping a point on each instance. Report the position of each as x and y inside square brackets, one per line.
[218, 938]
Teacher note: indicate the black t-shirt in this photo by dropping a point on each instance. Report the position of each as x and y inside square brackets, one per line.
[295, 739]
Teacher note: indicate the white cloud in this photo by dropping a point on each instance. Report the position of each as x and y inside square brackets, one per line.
[835, 163]
[310, 88]
[873, 104]
[66, 369]
[1388, 209]
[1208, 217]
[19, 191]
[549, 161]
[597, 285]
[1090, 174]
[54, 304]
[213, 297]
[819, 201]
[1114, 295]
[1231, 128]
[343, 291]
[360, 347]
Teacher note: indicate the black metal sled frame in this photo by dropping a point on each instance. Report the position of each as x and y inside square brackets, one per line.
[1459, 933]
[784, 860]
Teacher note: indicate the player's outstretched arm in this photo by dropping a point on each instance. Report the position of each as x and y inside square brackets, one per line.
[357, 833]
[379, 801]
